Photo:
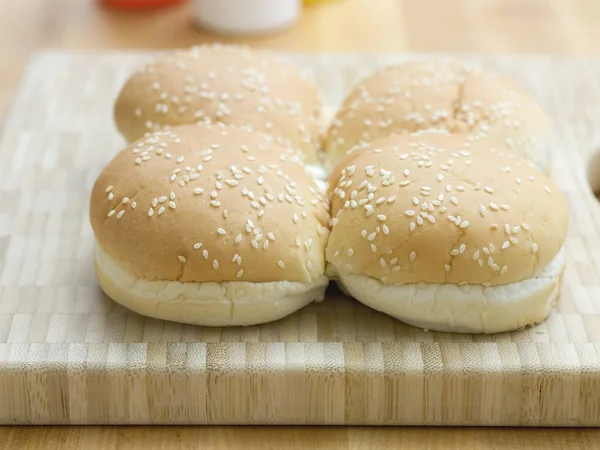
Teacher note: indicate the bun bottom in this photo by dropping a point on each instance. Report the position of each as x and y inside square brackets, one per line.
[463, 309]
[211, 304]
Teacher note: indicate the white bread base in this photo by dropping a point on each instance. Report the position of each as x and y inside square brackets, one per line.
[463, 309]
[318, 172]
[210, 304]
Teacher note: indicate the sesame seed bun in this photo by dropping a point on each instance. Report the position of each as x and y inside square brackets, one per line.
[228, 84]
[434, 93]
[420, 212]
[183, 211]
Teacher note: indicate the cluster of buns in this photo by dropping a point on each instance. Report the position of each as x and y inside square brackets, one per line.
[435, 211]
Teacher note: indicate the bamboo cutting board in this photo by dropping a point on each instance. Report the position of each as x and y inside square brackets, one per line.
[68, 355]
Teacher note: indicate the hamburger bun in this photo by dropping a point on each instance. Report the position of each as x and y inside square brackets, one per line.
[439, 94]
[447, 233]
[209, 225]
[223, 84]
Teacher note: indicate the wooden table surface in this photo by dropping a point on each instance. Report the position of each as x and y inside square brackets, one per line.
[526, 26]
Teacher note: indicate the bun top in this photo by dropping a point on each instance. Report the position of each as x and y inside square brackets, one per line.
[443, 209]
[202, 203]
[423, 94]
[228, 84]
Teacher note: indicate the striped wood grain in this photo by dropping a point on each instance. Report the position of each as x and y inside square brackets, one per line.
[68, 355]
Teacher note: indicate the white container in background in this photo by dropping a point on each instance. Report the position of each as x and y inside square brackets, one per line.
[246, 16]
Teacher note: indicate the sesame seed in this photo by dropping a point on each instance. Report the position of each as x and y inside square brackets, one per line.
[547, 189]
[516, 229]
[215, 264]
[385, 229]
[281, 264]
[482, 210]
[111, 195]
[120, 214]
[412, 226]
[505, 245]
[373, 248]
[298, 242]
[507, 228]
[162, 199]
[431, 219]
[161, 210]
[111, 213]
[150, 212]
[462, 248]
[486, 250]
[240, 273]
[205, 254]
[503, 270]
[404, 183]
[409, 212]
[215, 203]
[505, 207]
[372, 236]
[447, 267]
[172, 195]
[454, 200]
[197, 245]
[172, 205]
[454, 252]
[109, 188]
[381, 217]
[182, 258]
[494, 206]
[464, 224]
[488, 189]
[350, 252]
[514, 240]
[534, 247]
[221, 231]
[476, 255]
[413, 256]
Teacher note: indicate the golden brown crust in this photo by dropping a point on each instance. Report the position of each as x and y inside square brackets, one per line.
[244, 199]
[433, 93]
[443, 209]
[228, 84]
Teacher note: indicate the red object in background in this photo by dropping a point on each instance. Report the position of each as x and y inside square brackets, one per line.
[138, 4]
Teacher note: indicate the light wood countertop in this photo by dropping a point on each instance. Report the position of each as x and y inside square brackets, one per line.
[529, 26]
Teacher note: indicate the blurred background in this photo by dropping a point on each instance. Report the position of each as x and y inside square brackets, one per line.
[525, 26]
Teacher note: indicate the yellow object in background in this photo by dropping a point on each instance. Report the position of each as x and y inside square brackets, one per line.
[312, 2]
